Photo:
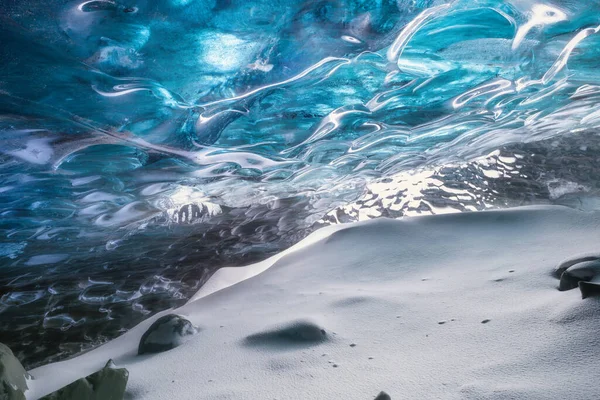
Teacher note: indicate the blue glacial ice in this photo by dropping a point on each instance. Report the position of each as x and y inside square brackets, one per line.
[147, 143]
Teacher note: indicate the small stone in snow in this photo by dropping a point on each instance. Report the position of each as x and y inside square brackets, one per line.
[383, 396]
[165, 333]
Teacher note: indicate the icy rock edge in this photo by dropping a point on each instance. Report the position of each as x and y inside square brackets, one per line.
[13, 377]
[107, 384]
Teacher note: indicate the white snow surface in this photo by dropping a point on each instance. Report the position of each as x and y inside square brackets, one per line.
[410, 296]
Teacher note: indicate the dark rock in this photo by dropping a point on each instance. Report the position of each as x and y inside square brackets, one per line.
[565, 265]
[107, 384]
[13, 377]
[383, 396]
[165, 333]
[295, 333]
[584, 271]
[589, 289]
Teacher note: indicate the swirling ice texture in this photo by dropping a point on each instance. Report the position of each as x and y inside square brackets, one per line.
[145, 144]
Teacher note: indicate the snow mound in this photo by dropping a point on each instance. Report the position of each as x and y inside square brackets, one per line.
[459, 306]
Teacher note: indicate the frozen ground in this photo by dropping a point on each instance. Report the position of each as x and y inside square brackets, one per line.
[460, 306]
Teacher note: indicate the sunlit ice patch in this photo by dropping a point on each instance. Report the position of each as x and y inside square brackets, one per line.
[423, 65]
[183, 204]
[225, 52]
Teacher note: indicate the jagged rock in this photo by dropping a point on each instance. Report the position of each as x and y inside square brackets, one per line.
[383, 396]
[107, 384]
[13, 377]
[165, 333]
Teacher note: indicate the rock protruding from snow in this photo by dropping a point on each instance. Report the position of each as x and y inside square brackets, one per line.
[383, 396]
[165, 333]
[107, 384]
[13, 377]
[589, 289]
[295, 333]
[584, 271]
[568, 263]
[581, 271]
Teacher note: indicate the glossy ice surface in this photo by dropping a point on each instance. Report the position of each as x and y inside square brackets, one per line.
[145, 144]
